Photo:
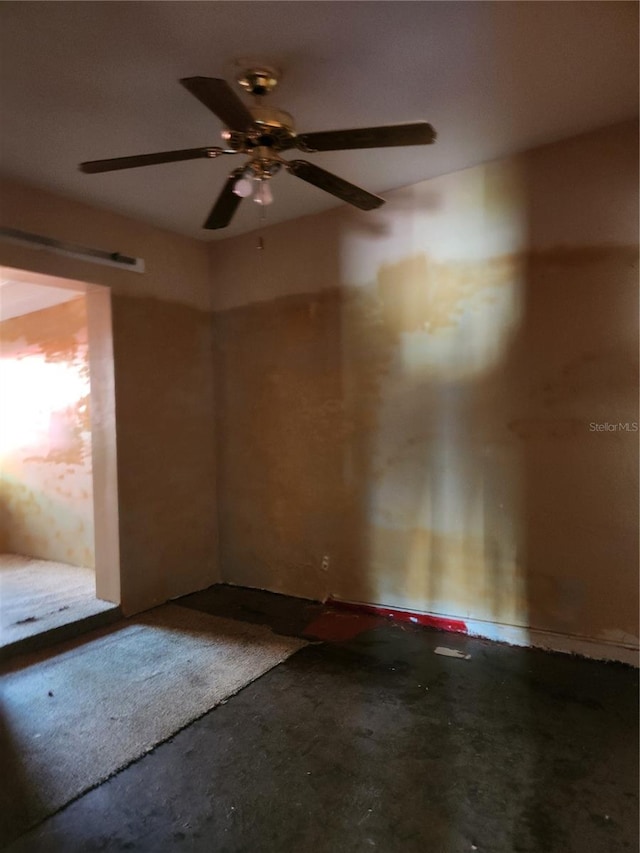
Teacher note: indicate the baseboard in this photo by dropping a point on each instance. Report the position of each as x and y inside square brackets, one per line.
[501, 632]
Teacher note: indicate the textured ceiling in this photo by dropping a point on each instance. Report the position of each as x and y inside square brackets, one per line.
[84, 81]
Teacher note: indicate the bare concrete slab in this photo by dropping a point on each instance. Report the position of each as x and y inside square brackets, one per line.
[376, 743]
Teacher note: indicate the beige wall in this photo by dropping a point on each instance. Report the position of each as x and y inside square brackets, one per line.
[406, 392]
[46, 484]
[163, 382]
[409, 393]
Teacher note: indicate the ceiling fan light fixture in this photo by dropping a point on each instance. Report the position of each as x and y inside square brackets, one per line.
[243, 187]
[263, 194]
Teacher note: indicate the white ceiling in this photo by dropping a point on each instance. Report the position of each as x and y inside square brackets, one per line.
[84, 80]
[24, 297]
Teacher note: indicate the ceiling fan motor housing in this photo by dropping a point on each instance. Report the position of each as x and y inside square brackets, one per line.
[272, 129]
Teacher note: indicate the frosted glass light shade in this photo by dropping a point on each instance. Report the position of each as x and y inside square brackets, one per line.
[263, 194]
[243, 187]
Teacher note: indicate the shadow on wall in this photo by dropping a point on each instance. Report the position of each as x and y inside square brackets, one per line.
[166, 475]
[421, 433]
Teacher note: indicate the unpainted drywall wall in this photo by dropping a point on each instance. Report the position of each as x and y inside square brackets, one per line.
[165, 414]
[409, 399]
[46, 487]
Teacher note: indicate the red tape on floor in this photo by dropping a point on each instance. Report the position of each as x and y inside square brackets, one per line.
[344, 620]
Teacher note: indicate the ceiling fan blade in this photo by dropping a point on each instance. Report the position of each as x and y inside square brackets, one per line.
[418, 133]
[93, 166]
[226, 204]
[220, 98]
[333, 184]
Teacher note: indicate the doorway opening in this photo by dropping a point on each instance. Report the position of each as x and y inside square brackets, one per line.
[59, 551]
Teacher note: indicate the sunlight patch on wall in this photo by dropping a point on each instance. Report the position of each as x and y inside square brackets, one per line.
[445, 274]
[36, 394]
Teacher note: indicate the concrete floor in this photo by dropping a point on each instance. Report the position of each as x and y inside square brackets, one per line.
[376, 743]
[39, 596]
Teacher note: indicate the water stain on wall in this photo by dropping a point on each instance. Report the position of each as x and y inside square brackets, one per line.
[420, 293]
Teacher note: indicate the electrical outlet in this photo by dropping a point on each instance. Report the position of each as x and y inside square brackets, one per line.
[325, 563]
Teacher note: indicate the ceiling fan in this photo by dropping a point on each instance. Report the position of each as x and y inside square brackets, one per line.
[263, 132]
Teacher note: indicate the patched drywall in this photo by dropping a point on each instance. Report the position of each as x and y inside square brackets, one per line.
[407, 403]
[165, 416]
[46, 485]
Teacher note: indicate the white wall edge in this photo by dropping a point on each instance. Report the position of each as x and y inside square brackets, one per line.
[103, 444]
[553, 642]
